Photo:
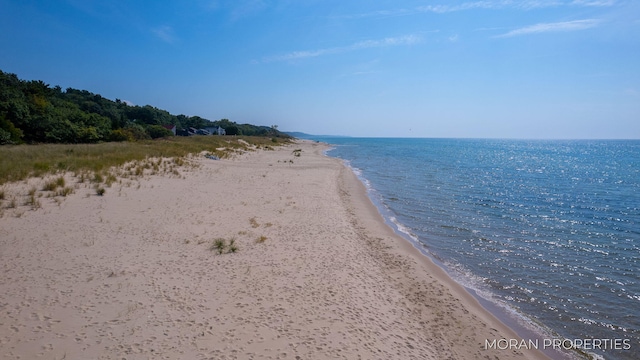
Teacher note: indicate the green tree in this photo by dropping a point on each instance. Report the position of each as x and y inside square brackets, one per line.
[158, 131]
[32, 111]
[10, 134]
[232, 130]
[137, 132]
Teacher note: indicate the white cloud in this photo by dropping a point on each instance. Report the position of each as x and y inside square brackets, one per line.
[378, 13]
[502, 4]
[553, 27]
[593, 2]
[165, 33]
[484, 4]
[464, 6]
[390, 41]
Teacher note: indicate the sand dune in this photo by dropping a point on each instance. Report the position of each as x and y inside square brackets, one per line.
[134, 274]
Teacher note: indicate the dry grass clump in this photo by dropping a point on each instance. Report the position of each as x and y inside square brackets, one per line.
[261, 239]
[18, 162]
[110, 179]
[220, 246]
[64, 191]
[31, 200]
[102, 165]
[54, 184]
[97, 178]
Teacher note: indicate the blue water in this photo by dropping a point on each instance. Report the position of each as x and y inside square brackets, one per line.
[549, 228]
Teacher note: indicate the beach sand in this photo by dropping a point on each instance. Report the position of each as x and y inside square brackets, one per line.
[317, 274]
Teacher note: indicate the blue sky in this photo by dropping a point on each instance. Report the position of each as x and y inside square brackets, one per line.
[481, 69]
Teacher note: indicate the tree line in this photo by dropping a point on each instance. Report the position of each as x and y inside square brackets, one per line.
[34, 112]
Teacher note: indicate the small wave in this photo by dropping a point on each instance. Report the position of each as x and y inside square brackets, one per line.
[403, 229]
[326, 152]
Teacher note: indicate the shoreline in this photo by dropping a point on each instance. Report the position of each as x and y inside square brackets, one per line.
[523, 326]
[318, 273]
[471, 299]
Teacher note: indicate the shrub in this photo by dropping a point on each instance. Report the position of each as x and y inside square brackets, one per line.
[9, 134]
[5, 137]
[121, 135]
[137, 132]
[158, 131]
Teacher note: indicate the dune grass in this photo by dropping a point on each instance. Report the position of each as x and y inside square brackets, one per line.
[18, 162]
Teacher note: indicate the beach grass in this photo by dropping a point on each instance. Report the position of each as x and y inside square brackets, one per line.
[219, 245]
[19, 162]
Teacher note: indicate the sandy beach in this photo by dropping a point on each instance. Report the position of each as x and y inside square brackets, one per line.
[316, 273]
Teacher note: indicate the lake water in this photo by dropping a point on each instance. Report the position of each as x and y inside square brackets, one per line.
[550, 229]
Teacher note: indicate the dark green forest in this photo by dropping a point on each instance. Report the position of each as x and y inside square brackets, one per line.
[34, 112]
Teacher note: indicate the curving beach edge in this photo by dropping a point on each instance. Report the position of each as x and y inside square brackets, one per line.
[275, 254]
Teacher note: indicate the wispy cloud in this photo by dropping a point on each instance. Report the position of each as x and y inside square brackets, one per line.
[593, 2]
[482, 5]
[386, 42]
[526, 5]
[237, 9]
[165, 33]
[553, 27]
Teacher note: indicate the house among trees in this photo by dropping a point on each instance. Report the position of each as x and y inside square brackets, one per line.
[171, 128]
[215, 130]
[32, 112]
[183, 132]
